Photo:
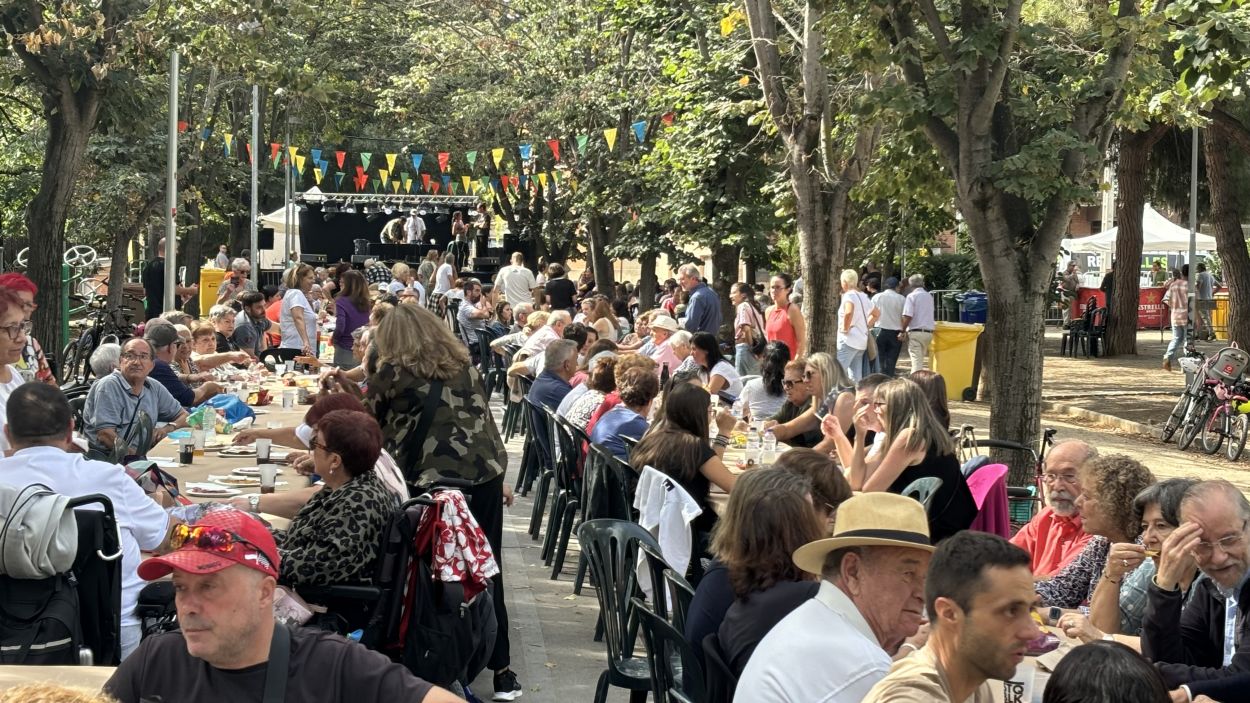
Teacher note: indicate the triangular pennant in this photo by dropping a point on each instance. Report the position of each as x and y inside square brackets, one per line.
[395, 186]
[485, 180]
[555, 176]
[446, 182]
[206, 133]
[317, 175]
[610, 135]
[497, 155]
[360, 172]
[416, 162]
[471, 157]
[667, 118]
[526, 150]
[444, 158]
[229, 139]
[573, 184]
[514, 181]
[182, 125]
[408, 185]
[554, 145]
[273, 153]
[405, 178]
[316, 155]
[494, 183]
[466, 180]
[425, 182]
[582, 139]
[339, 156]
[299, 164]
[364, 159]
[338, 180]
[377, 183]
[542, 180]
[390, 162]
[324, 166]
[435, 191]
[291, 152]
[640, 130]
[524, 182]
[383, 173]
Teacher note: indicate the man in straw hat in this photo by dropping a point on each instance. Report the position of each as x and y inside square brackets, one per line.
[836, 646]
[980, 596]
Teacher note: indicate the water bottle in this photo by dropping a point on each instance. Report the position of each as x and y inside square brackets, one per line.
[770, 447]
[753, 447]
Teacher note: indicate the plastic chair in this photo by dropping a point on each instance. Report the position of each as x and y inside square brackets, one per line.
[923, 490]
[611, 549]
[271, 356]
[76, 406]
[603, 497]
[539, 463]
[492, 374]
[720, 682]
[657, 593]
[630, 443]
[988, 485]
[676, 674]
[568, 499]
[682, 594]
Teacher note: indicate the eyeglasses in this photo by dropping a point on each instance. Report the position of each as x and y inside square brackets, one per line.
[131, 356]
[316, 444]
[877, 404]
[1204, 550]
[790, 384]
[1069, 479]
[807, 375]
[17, 329]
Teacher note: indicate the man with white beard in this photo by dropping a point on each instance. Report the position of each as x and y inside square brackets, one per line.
[1054, 536]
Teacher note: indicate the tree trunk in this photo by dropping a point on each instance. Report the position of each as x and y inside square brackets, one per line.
[1230, 241]
[647, 282]
[121, 261]
[597, 241]
[724, 275]
[1130, 176]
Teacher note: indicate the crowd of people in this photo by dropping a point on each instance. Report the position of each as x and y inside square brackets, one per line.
[817, 579]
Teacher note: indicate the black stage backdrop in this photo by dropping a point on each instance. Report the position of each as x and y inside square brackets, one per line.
[331, 234]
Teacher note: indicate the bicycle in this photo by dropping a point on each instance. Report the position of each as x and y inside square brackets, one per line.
[1227, 419]
[102, 325]
[1192, 363]
[1225, 367]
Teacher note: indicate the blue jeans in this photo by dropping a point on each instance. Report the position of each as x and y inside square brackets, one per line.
[1177, 345]
[745, 362]
[852, 360]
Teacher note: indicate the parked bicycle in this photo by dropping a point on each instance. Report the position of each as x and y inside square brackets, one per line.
[1218, 393]
[102, 324]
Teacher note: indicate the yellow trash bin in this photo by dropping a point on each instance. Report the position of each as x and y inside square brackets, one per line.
[953, 354]
[1219, 316]
[210, 283]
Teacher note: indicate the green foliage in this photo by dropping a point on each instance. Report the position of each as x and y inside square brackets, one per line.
[947, 271]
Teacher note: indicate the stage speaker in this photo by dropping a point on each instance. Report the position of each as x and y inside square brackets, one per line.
[264, 238]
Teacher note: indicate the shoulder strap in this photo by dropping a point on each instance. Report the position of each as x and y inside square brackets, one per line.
[279, 665]
[416, 440]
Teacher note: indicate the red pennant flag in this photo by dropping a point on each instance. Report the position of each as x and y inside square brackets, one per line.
[360, 172]
[434, 189]
[516, 182]
[425, 181]
[667, 118]
[555, 148]
[361, 181]
[443, 159]
[273, 150]
[182, 125]
[339, 156]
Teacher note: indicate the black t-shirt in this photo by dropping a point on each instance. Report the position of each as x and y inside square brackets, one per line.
[561, 292]
[324, 667]
[154, 286]
[225, 344]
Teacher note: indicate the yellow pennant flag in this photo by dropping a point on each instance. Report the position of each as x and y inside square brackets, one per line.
[317, 175]
[299, 163]
[382, 174]
[292, 150]
[497, 154]
[395, 185]
[466, 180]
[542, 180]
[390, 162]
[229, 139]
[610, 135]
[573, 183]
[408, 185]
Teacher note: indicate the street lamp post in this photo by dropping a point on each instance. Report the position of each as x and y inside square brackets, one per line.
[171, 188]
[255, 238]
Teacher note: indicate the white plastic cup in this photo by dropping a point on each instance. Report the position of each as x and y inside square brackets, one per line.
[268, 477]
[288, 399]
[1019, 688]
[279, 368]
[198, 437]
[262, 449]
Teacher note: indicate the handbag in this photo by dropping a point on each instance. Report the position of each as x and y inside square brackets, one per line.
[871, 349]
[758, 339]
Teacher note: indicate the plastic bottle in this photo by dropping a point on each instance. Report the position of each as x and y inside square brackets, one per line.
[770, 447]
[753, 447]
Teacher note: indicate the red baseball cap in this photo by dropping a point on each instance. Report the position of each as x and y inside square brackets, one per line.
[253, 547]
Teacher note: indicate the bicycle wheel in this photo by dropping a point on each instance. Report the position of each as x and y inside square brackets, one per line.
[1194, 421]
[69, 362]
[1214, 429]
[1237, 436]
[1176, 418]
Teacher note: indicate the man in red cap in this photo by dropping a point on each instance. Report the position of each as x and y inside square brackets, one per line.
[224, 571]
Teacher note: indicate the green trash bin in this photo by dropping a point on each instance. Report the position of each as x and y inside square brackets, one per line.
[953, 353]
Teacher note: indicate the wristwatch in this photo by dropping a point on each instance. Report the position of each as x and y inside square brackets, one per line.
[253, 501]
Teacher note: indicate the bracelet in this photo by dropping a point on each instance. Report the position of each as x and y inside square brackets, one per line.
[913, 647]
[1104, 575]
[722, 440]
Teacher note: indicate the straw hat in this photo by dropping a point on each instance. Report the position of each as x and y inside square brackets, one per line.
[664, 322]
[870, 520]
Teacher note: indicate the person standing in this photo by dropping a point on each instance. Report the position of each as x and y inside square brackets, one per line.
[918, 323]
[855, 317]
[516, 281]
[458, 249]
[748, 329]
[559, 289]
[351, 310]
[393, 231]
[783, 321]
[482, 226]
[703, 305]
[425, 272]
[296, 318]
[154, 284]
[1069, 286]
[1176, 297]
[1206, 302]
[889, 302]
[1158, 277]
[223, 257]
[237, 280]
[414, 228]
[1108, 283]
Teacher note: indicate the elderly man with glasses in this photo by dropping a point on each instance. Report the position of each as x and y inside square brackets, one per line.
[1054, 536]
[115, 401]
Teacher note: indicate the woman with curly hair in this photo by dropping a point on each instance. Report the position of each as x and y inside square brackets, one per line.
[1109, 486]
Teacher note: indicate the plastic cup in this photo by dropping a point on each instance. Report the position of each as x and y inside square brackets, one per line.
[1018, 688]
[242, 394]
[279, 368]
[262, 450]
[186, 450]
[288, 399]
[268, 477]
[197, 436]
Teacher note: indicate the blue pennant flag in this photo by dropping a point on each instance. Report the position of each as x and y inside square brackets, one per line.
[416, 162]
[524, 180]
[323, 164]
[526, 150]
[338, 180]
[316, 156]
[640, 130]
[494, 183]
[447, 183]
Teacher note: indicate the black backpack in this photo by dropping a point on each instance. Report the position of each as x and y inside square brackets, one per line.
[39, 620]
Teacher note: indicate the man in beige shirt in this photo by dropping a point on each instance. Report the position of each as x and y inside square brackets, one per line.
[979, 595]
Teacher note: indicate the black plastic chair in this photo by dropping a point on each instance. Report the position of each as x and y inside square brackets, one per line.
[682, 594]
[539, 462]
[568, 500]
[76, 406]
[719, 680]
[630, 443]
[609, 496]
[271, 356]
[1091, 334]
[676, 675]
[611, 549]
[656, 569]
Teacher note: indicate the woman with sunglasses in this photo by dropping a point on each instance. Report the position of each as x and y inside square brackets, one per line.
[825, 379]
[13, 331]
[783, 322]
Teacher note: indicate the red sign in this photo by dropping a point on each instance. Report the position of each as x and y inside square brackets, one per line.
[1151, 312]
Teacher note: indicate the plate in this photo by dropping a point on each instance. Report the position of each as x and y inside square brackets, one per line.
[211, 490]
[250, 471]
[236, 481]
[243, 450]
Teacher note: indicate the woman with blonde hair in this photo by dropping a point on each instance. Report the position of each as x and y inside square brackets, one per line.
[401, 276]
[825, 378]
[916, 446]
[856, 315]
[296, 319]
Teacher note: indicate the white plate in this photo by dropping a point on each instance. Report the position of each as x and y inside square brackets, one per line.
[164, 463]
[239, 450]
[197, 490]
[250, 471]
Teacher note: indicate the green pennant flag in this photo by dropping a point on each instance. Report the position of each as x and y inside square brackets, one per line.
[581, 144]
[405, 178]
[455, 188]
[364, 159]
[485, 182]
[376, 183]
[471, 156]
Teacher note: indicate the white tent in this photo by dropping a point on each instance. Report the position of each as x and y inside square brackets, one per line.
[276, 220]
[1158, 235]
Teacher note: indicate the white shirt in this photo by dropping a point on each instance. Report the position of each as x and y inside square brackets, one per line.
[856, 336]
[143, 523]
[295, 298]
[758, 402]
[822, 652]
[415, 228]
[518, 284]
[919, 307]
[578, 391]
[538, 341]
[442, 278]
[890, 303]
[15, 379]
[726, 370]
[665, 509]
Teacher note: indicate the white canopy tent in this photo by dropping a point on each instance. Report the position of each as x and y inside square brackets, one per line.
[1158, 235]
[276, 220]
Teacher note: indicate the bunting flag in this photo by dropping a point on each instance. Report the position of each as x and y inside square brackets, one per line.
[667, 118]
[554, 145]
[383, 173]
[416, 162]
[229, 141]
[299, 165]
[408, 185]
[324, 166]
[390, 163]
[573, 184]
[514, 181]
[447, 182]
[291, 152]
[524, 182]
[206, 133]
[435, 190]
[339, 156]
[497, 154]
[582, 139]
[444, 158]
[485, 180]
[360, 172]
[317, 175]
[377, 183]
[466, 181]
[273, 153]
[316, 155]
[425, 182]
[395, 186]
[405, 178]
[455, 188]
[610, 135]
[471, 156]
[364, 159]
[526, 151]
[494, 184]
[338, 180]
[182, 126]
[640, 130]
[361, 182]
[542, 180]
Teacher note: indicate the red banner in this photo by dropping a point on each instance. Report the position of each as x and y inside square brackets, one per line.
[1151, 312]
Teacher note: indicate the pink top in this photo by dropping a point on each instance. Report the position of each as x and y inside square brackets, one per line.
[1178, 300]
[748, 316]
[779, 329]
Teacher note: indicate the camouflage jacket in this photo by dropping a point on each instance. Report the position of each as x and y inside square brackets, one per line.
[463, 441]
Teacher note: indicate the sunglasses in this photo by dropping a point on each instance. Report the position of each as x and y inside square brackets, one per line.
[206, 537]
[790, 384]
